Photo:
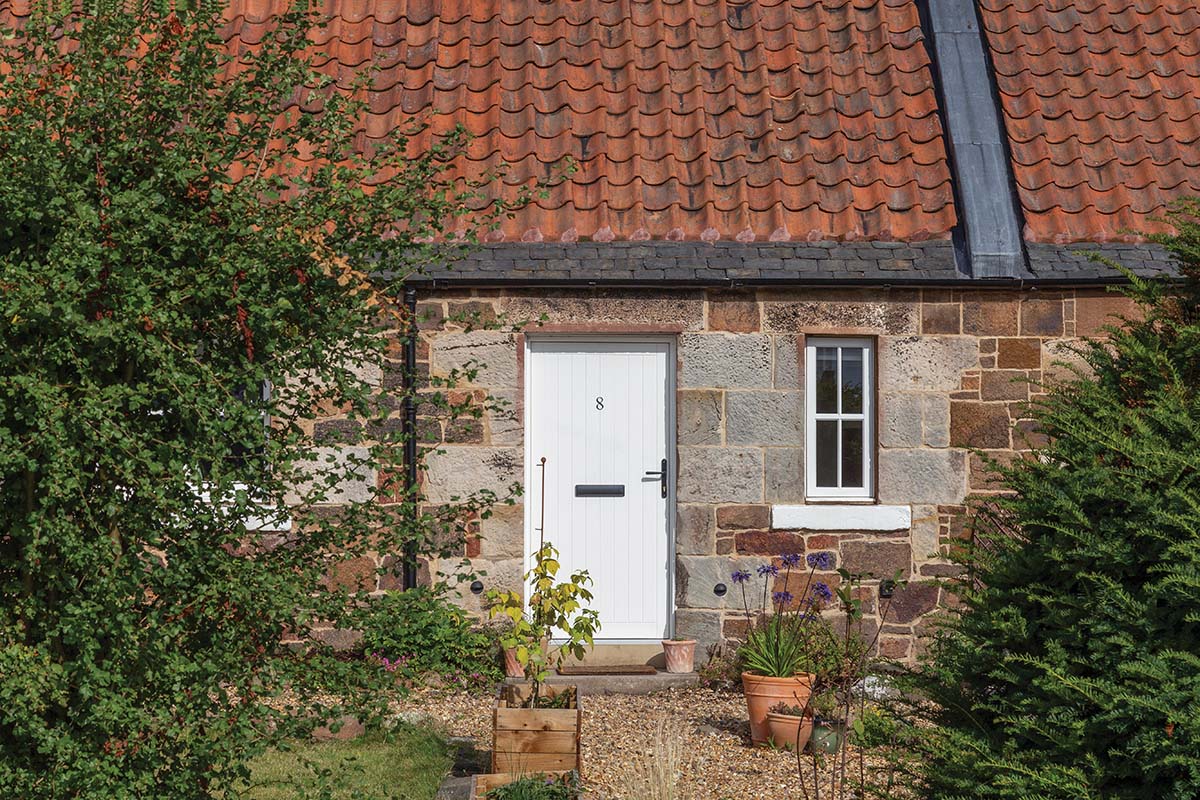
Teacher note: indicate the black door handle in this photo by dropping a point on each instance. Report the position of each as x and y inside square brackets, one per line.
[662, 477]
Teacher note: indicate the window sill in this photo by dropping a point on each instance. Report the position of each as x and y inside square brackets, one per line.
[842, 516]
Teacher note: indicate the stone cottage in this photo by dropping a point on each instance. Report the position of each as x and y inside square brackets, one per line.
[814, 254]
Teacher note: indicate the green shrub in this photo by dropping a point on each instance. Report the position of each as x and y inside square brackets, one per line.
[1073, 670]
[420, 631]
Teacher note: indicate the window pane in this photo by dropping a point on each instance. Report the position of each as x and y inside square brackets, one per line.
[852, 381]
[827, 380]
[852, 453]
[827, 452]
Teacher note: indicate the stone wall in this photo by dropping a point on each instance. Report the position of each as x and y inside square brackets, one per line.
[954, 367]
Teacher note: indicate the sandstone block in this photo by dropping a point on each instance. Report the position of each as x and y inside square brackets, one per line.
[703, 626]
[768, 542]
[1042, 317]
[1022, 353]
[725, 360]
[922, 476]
[720, 475]
[697, 576]
[356, 479]
[743, 516]
[619, 307]
[502, 535]
[788, 371]
[877, 559]
[1062, 360]
[769, 418]
[881, 311]
[784, 474]
[941, 318]
[504, 422]
[457, 471]
[695, 534]
[926, 527]
[912, 601]
[925, 363]
[1095, 313]
[989, 313]
[491, 355]
[1004, 384]
[900, 420]
[935, 416]
[700, 416]
[982, 425]
[736, 312]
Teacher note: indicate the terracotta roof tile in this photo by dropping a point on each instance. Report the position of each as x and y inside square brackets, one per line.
[1102, 103]
[693, 119]
[739, 120]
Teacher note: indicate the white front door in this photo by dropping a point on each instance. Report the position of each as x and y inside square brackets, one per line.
[599, 411]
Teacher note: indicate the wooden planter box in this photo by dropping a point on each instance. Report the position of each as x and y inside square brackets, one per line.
[482, 784]
[531, 740]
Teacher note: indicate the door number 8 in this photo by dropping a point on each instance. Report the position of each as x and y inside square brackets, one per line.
[599, 403]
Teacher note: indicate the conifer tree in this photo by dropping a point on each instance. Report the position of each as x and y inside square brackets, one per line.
[1073, 669]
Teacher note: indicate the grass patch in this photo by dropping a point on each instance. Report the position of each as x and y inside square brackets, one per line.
[407, 764]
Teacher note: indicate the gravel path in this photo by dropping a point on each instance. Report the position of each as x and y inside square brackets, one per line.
[717, 761]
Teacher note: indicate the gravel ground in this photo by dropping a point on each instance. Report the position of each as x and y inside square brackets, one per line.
[716, 763]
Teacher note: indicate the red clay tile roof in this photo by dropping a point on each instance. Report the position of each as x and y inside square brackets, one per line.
[1102, 103]
[692, 119]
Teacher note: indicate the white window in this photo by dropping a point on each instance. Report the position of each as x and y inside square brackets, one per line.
[838, 413]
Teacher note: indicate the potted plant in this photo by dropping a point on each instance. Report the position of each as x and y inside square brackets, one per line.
[789, 726]
[828, 723]
[680, 655]
[779, 651]
[525, 787]
[535, 728]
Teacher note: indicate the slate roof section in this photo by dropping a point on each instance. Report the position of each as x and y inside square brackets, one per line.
[1102, 105]
[700, 262]
[755, 120]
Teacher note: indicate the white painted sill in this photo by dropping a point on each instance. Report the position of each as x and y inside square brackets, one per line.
[842, 517]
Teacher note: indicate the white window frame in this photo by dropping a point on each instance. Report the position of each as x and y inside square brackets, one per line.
[866, 492]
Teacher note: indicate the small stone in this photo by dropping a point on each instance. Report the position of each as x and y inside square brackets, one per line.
[982, 425]
[695, 534]
[1019, 354]
[879, 560]
[1004, 384]
[940, 318]
[768, 418]
[1042, 317]
[769, 543]
[736, 312]
[911, 602]
[700, 416]
[743, 516]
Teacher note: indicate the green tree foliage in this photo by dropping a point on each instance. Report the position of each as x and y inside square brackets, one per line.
[1073, 670]
[190, 270]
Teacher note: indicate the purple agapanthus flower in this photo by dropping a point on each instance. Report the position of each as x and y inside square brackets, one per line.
[821, 591]
[782, 598]
[820, 560]
[790, 560]
[740, 576]
[768, 569]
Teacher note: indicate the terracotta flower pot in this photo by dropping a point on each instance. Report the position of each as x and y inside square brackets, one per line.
[762, 693]
[680, 655]
[789, 732]
[512, 667]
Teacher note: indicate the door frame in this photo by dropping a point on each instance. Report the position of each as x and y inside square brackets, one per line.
[670, 448]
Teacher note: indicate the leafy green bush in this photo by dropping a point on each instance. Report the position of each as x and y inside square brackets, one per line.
[420, 631]
[1073, 670]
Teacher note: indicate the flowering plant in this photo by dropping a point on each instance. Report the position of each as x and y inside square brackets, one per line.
[793, 639]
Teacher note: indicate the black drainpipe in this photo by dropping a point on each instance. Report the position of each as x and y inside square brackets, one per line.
[410, 433]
